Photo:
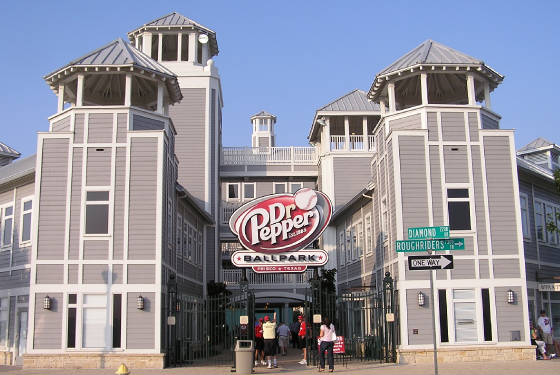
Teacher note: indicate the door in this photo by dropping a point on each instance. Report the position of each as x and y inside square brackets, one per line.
[21, 336]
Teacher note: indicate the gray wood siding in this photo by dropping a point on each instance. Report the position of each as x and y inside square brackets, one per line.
[143, 199]
[506, 268]
[141, 274]
[488, 123]
[351, 175]
[456, 164]
[140, 330]
[117, 273]
[479, 205]
[62, 125]
[145, 123]
[453, 126]
[210, 253]
[75, 204]
[20, 255]
[100, 128]
[484, 269]
[122, 127]
[72, 274]
[98, 167]
[414, 188]
[189, 119]
[419, 317]
[500, 195]
[392, 203]
[435, 179]
[463, 269]
[18, 279]
[263, 142]
[95, 273]
[405, 123]
[50, 274]
[510, 315]
[96, 250]
[119, 197]
[79, 128]
[52, 204]
[432, 127]
[48, 323]
[473, 126]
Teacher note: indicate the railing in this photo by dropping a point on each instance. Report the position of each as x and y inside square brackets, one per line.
[338, 143]
[268, 155]
[371, 142]
[227, 211]
[232, 277]
[356, 142]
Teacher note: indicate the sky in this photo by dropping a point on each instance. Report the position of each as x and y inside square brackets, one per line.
[291, 58]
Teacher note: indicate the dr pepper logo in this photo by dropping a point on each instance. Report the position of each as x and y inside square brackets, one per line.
[282, 222]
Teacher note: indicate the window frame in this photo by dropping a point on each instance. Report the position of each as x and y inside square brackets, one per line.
[285, 184]
[384, 219]
[106, 308]
[542, 231]
[5, 310]
[3, 218]
[546, 205]
[455, 300]
[108, 202]
[228, 199]
[468, 200]
[295, 183]
[179, 236]
[525, 229]
[244, 198]
[342, 248]
[368, 229]
[360, 240]
[23, 212]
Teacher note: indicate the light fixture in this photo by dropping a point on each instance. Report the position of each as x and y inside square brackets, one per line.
[321, 121]
[421, 300]
[510, 296]
[203, 38]
[140, 303]
[47, 303]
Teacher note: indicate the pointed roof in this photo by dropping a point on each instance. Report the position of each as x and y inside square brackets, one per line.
[432, 55]
[355, 100]
[176, 21]
[539, 144]
[6, 150]
[263, 114]
[116, 55]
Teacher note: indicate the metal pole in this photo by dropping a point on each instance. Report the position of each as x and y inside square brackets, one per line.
[433, 317]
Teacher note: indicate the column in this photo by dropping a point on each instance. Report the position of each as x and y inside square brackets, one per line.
[346, 133]
[179, 45]
[147, 44]
[160, 47]
[424, 87]
[364, 127]
[159, 108]
[205, 53]
[391, 93]
[80, 91]
[60, 107]
[470, 89]
[382, 107]
[487, 101]
[192, 47]
[327, 132]
[128, 90]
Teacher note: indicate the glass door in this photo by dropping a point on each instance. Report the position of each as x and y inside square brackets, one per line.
[21, 335]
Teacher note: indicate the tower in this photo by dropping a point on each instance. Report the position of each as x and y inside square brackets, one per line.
[263, 129]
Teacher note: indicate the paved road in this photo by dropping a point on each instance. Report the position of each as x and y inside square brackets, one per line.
[290, 366]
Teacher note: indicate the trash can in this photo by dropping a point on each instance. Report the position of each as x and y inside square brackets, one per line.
[244, 357]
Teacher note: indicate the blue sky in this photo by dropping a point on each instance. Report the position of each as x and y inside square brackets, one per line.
[291, 58]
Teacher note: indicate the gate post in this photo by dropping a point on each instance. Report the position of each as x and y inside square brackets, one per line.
[315, 309]
[171, 318]
[389, 327]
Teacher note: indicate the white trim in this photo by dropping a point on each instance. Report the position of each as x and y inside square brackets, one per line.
[238, 199]
[244, 184]
[23, 200]
[158, 246]
[274, 184]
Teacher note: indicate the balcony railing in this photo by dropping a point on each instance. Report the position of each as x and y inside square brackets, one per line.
[266, 280]
[371, 142]
[268, 155]
[355, 143]
[228, 210]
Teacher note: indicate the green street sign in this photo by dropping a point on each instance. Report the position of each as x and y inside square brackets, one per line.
[427, 245]
[424, 233]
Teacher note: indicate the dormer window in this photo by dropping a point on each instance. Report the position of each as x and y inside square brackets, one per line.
[169, 47]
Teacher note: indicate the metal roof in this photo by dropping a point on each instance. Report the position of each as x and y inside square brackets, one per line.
[263, 114]
[535, 169]
[117, 54]
[176, 20]
[537, 145]
[17, 169]
[6, 150]
[355, 100]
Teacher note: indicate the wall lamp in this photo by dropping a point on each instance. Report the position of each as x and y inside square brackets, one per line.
[140, 303]
[510, 296]
[421, 299]
[47, 303]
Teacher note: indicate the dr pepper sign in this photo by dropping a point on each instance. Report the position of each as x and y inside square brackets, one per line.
[276, 229]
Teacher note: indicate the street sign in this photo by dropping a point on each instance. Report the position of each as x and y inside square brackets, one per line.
[430, 262]
[424, 233]
[430, 245]
[549, 287]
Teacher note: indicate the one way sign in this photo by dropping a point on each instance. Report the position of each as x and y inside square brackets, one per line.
[430, 262]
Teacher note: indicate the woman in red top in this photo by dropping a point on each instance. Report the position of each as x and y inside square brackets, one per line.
[301, 339]
[259, 343]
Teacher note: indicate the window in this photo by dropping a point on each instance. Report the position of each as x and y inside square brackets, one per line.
[263, 125]
[295, 186]
[368, 244]
[117, 302]
[198, 52]
[97, 212]
[94, 321]
[354, 243]
[546, 213]
[7, 213]
[464, 308]
[155, 46]
[184, 47]
[169, 47]
[348, 245]
[26, 215]
[199, 248]
[179, 236]
[360, 244]
[71, 328]
[280, 188]
[539, 218]
[443, 326]
[185, 239]
[190, 244]
[384, 219]
[341, 248]
[525, 215]
[233, 191]
[487, 319]
[249, 190]
[4, 316]
[458, 207]
[169, 224]
[551, 218]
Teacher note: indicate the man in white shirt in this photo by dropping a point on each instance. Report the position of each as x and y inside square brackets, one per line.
[545, 325]
[269, 335]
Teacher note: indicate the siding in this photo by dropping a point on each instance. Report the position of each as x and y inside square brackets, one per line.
[100, 128]
[141, 274]
[61, 125]
[140, 331]
[210, 253]
[53, 199]
[500, 195]
[410, 122]
[98, 169]
[419, 317]
[117, 273]
[435, 179]
[479, 201]
[119, 197]
[72, 274]
[511, 315]
[95, 273]
[432, 126]
[350, 176]
[75, 204]
[473, 126]
[48, 323]
[18, 279]
[453, 126]
[488, 123]
[79, 128]
[143, 200]
[95, 250]
[484, 269]
[263, 142]
[122, 127]
[50, 274]
[506, 268]
[145, 123]
[456, 164]
[189, 120]
[463, 269]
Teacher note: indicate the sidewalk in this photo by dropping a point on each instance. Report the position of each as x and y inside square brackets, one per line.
[551, 367]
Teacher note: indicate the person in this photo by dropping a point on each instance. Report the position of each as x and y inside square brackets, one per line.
[302, 333]
[259, 343]
[283, 337]
[536, 339]
[294, 329]
[326, 343]
[269, 335]
[545, 325]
